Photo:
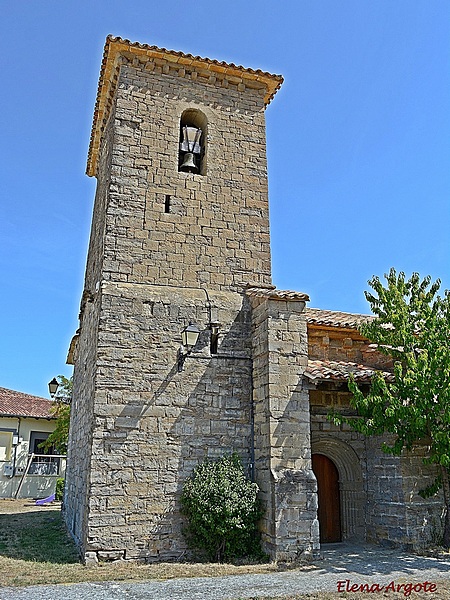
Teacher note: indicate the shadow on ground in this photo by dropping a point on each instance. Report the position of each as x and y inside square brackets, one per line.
[375, 560]
[36, 536]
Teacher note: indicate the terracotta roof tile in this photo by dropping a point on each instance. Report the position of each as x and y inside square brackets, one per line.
[333, 318]
[274, 294]
[329, 370]
[188, 59]
[18, 404]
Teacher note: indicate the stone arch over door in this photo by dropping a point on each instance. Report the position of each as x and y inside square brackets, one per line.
[351, 485]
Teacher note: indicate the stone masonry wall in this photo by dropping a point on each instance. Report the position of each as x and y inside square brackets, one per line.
[282, 429]
[217, 231]
[337, 344]
[397, 515]
[75, 505]
[153, 424]
[385, 499]
[424, 517]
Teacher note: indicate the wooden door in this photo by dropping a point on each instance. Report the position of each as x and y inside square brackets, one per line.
[329, 512]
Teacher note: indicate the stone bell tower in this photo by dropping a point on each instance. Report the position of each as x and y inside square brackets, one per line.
[180, 232]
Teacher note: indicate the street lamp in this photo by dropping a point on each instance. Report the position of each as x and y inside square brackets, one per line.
[53, 387]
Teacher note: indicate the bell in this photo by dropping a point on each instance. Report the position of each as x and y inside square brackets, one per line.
[189, 163]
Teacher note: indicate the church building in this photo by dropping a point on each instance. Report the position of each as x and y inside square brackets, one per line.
[186, 350]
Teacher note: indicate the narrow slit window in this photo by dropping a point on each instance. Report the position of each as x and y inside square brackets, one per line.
[214, 343]
[214, 339]
[167, 204]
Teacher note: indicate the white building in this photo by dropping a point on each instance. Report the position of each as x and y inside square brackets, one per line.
[25, 422]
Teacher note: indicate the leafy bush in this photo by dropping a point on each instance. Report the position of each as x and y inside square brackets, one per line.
[222, 508]
[59, 491]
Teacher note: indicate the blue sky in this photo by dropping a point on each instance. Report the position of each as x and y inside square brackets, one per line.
[358, 147]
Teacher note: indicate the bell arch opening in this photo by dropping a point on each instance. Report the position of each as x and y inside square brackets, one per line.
[352, 496]
[192, 144]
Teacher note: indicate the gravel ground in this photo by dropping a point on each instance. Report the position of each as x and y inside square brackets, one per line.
[360, 565]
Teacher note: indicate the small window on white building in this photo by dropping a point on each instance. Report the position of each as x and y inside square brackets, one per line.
[43, 463]
[5, 445]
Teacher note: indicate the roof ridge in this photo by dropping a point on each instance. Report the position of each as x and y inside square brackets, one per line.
[340, 312]
[335, 318]
[276, 294]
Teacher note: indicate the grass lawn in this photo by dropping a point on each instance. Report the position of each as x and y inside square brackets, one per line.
[35, 549]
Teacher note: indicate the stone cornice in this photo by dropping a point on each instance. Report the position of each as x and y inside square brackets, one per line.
[118, 50]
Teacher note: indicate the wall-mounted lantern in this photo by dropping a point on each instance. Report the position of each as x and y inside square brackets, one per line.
[189, 337]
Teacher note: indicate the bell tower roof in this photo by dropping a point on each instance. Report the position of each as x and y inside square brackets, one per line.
[209, 71]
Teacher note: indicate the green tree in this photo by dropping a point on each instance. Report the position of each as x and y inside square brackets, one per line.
[58, 439]
[411, 325]
[222, 508]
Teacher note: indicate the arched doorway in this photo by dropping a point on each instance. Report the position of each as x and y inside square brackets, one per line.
[352, 496]
[329, 510]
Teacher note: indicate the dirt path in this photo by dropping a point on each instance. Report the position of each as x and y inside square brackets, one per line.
[336, 576]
